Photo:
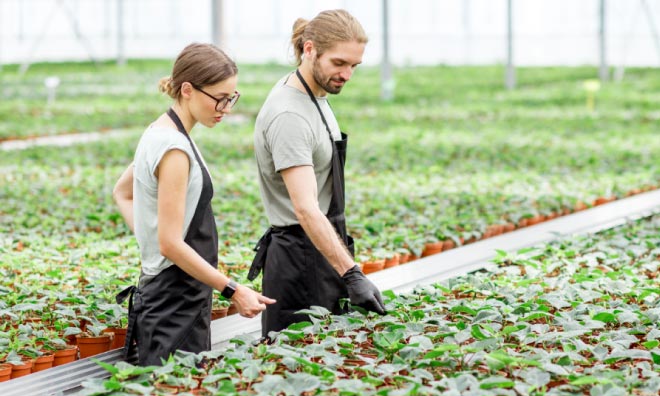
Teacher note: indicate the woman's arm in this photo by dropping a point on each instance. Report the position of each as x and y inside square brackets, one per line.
[172, 176]
[123, 196]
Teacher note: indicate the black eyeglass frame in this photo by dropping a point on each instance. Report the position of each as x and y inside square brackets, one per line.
[224, 100]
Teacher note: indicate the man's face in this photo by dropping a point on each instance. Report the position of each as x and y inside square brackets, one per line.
[334, 68]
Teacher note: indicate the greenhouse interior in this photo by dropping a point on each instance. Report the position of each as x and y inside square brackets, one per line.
[493, 227]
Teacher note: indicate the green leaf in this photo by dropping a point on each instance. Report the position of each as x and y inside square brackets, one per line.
[651, 344]
[605, 317]
[477, 333]
[111, 368]
[590, 380]
[655, 357]
[496, 383]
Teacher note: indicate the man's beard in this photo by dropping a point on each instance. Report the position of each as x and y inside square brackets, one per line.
[323, 81]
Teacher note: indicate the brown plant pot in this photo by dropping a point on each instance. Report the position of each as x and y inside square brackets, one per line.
[413, 257]
[90, 346]
[167, 389]
[371, 266]
[5, 372]
[66, 355]
[217, 313]
[20, 370]
[579, 205]
[120, 336]
[404, 258]
[43, 362]
[392, 261]
[603, 200]
[448, 244]
[508, 227]
[432, 248]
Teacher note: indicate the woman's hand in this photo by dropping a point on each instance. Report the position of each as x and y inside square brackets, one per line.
[250, 303]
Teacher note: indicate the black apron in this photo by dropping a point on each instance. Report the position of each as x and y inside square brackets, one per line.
[172, 310]
[295, 273]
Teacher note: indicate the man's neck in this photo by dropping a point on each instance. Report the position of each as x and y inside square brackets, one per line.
[306, 73]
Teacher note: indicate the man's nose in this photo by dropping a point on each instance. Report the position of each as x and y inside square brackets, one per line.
[346, 73]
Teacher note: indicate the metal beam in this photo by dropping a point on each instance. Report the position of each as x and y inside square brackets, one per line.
[602, 36]
[121, 56]
[510, 68]
[387, 82]
[217, 23]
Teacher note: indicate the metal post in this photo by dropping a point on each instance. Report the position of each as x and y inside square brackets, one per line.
[652, 27]
[467, 33]
[1, 36]
[604, 70]
[387, 82]
[121, 56]
[217, 25]
[510, 69]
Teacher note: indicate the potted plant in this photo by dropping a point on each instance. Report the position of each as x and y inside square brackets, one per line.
[93, 340]
[115, 318]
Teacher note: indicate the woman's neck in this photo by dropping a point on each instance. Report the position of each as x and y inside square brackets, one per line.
[184, 115]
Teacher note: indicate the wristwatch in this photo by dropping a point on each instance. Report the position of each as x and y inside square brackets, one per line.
[229, 290]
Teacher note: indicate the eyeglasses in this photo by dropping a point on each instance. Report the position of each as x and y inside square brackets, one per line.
[221, 103]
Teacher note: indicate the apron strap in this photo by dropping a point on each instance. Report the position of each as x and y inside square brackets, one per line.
[132, 318]
[259, 260]
[316, 103]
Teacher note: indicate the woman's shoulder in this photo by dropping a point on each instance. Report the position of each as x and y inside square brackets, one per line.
[156, 135]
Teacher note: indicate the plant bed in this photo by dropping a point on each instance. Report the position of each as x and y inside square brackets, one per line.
[575, 316]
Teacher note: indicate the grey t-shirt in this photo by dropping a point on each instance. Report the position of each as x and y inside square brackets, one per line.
[154, 143]
[289, 132]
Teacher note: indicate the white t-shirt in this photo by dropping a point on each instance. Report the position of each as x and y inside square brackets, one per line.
[154, 143]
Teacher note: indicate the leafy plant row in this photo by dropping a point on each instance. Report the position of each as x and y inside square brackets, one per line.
[579, 315]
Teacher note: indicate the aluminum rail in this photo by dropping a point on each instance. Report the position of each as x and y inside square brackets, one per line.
[66, 379]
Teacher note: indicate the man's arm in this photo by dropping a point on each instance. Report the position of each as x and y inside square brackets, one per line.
[123, 196]
[300, 182]
[301, 185]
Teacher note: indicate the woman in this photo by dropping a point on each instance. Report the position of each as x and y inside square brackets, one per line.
[165, 198]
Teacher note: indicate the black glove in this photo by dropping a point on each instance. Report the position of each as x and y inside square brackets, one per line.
[362, 292]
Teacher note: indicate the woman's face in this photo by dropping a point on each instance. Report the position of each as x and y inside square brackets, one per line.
[204, 101]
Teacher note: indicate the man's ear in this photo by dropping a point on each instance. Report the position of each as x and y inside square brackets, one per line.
[308, 49]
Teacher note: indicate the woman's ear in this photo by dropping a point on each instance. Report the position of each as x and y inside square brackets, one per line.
[186, 89]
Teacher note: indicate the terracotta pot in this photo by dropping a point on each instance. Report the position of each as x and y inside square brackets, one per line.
[413, 257]
[579, 205]
[217, 313]
[508, 227]
[90, 346]
[5, 371]
[448, 244]
[371, 266]
[168, 389]
[404, 258]
[43, 362]
[392, 261]
[232, 309]
[432, 248]
[603, 200]
[20, 370]
[120, 336]
[66, 355]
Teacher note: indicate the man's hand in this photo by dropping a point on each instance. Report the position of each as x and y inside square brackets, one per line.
[362, 292]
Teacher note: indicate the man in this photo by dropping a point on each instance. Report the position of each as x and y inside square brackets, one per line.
[306, 255]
